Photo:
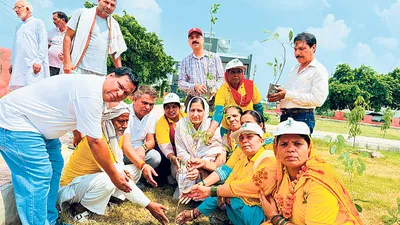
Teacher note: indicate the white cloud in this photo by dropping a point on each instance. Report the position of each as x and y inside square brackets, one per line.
[332, 34]
[300, 4]
[363, 54]
[391, 17]
[388, 42]
[146, 12]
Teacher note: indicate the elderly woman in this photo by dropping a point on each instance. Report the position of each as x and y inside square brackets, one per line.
[236, 91]
[239, 193]
[199, 156]
[308, 190]
[232, 115]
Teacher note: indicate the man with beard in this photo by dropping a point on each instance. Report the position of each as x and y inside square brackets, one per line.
[194, 68]
[29, 58]
[56, 38]
[86, 188]
[92, 35]
[307, 85]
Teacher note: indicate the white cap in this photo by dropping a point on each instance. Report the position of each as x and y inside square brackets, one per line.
[248, 128]
[171, 98]
[291, 126]
[234, 63]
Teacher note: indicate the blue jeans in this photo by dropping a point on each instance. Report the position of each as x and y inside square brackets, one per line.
[306, 117]
[237, 211]
[36, 164]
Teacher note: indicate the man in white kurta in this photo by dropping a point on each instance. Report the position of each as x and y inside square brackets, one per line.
[29, 59]
[84, 183]
[92, 35]
[32, 120]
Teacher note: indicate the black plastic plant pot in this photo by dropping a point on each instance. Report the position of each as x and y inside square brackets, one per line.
[272, 89]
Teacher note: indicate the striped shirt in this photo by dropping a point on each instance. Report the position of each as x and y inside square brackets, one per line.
[194, 69]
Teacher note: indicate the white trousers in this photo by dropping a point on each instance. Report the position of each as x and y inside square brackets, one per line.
[93, 191]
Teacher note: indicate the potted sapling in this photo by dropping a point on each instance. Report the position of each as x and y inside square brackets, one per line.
[277, 66]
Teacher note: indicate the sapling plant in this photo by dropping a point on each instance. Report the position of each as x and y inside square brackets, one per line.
[394, 215]
[355, 118]
[277, 65]
[352, 165]
[387, 120]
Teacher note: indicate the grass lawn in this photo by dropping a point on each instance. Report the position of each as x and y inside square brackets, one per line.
[368, 131]
[342, 128]
[377, 190]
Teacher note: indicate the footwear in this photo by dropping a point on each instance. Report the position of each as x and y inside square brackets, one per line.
[81, 217]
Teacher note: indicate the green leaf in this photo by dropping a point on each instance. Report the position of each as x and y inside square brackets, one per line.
[276, 36]
[328, 138]
[269, 63]
[266, 40]
[276, 60]
[332, 150]
[358, 207]
[290, 35]
[274, 71]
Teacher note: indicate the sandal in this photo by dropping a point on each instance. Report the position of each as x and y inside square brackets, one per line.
[186, 216]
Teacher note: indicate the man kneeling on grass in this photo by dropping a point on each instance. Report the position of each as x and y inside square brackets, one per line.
[86, 188]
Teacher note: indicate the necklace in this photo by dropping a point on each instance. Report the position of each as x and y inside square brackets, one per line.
[285, 204]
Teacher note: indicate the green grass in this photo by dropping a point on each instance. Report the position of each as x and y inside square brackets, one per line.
[342, 128]
[367, 131]
[376, 191]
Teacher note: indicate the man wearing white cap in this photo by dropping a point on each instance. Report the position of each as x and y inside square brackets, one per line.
[236, 91]
[165, 129]
[194, 69]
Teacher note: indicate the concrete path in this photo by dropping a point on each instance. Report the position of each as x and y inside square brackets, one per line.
[7, 204]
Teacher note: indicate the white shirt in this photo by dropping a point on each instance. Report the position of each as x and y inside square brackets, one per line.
[30, 47]
[139, 128]
[55, 40]
[55, 106]
[95, 58]
[307, 88]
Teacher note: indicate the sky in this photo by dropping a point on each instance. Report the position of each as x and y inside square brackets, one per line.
[355, 32]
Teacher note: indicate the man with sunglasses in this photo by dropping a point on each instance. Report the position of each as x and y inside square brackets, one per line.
[142, 125]
[194, 68]
[307, 85]
[236, 91]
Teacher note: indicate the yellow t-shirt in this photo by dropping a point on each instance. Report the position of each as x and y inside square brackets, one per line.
[225, 98]
[82, 162]
[162, 133]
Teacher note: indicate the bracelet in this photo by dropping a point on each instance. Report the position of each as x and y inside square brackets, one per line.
[146, 149]
[278, 220]
[144, 166]
[204, 183]
[141, 165]
[214, 191]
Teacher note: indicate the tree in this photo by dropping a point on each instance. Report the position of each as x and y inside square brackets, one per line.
[387, 120]
[393, 81]
[145, 54]
[356, 115]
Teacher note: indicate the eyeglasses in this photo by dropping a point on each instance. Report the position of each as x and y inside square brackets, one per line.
[235, 71]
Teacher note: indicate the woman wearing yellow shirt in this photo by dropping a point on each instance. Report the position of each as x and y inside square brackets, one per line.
[239, 193]
[308, 190]
[236, 91]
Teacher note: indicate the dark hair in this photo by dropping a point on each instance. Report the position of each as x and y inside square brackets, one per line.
[257, 116]
[61, 15]
[307, 37]
[235, 107]
[196, 100]
[122, 71]
[305, 137]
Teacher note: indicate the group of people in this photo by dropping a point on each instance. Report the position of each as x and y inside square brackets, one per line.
[226, 159]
